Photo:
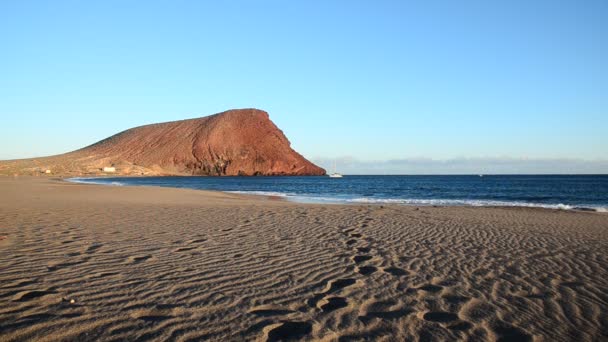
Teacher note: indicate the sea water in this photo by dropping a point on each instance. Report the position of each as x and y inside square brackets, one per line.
[549, 191]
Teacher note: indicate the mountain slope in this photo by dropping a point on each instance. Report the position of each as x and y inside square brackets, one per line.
[235, 142]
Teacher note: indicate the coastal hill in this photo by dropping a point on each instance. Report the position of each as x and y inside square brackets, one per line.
[236, 142]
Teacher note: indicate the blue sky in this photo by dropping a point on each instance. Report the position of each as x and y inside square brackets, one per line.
[367, 80]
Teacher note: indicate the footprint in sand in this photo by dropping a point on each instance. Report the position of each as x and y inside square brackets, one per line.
[431, 288]
[287, 331]
[332, 286]
[312, 302]
[395, 271]
[477, 310]
[385, 310]
[508, 333]
[366, 270]
[339, 284]
[460, 326]
[450, 319]
[351, 242]
[363, 249]
[440, 317]
[361, 258]
[332, 303]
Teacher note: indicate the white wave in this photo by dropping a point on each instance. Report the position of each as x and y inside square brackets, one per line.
[451, 202]
[261, 193]
[99, 181]
[292, 196]
[443, 202]
[421, 202]
[476, 203]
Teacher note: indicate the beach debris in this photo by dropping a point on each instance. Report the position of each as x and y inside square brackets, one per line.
[68, 300]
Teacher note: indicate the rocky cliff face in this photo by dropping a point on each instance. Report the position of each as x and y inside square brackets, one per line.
[235, 142]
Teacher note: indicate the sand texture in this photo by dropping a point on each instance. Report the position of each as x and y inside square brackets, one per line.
[86, 262]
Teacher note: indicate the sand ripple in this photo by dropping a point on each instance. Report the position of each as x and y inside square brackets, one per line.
[233, 269]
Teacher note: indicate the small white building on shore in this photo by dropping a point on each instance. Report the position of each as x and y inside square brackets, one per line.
[109, 169]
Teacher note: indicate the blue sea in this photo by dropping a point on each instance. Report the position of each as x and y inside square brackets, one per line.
[548, 191]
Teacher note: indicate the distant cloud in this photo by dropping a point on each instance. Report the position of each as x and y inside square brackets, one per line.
[349, 165]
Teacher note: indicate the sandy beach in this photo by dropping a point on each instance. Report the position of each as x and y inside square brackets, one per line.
[89, 262]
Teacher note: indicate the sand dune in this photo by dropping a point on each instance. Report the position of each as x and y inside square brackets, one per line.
[86, 262]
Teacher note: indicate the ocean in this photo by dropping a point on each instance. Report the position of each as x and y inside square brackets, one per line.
[548, 191]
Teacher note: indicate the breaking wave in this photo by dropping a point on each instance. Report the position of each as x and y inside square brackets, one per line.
[419, 202]
[100, 181]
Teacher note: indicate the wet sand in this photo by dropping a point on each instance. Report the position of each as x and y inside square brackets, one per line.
[88, 262]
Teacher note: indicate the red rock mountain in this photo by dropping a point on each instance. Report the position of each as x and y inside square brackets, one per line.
[235, 142]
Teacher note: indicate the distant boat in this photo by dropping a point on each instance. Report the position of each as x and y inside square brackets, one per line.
[335, 174]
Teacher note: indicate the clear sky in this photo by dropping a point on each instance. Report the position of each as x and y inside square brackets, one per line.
[369, 80]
